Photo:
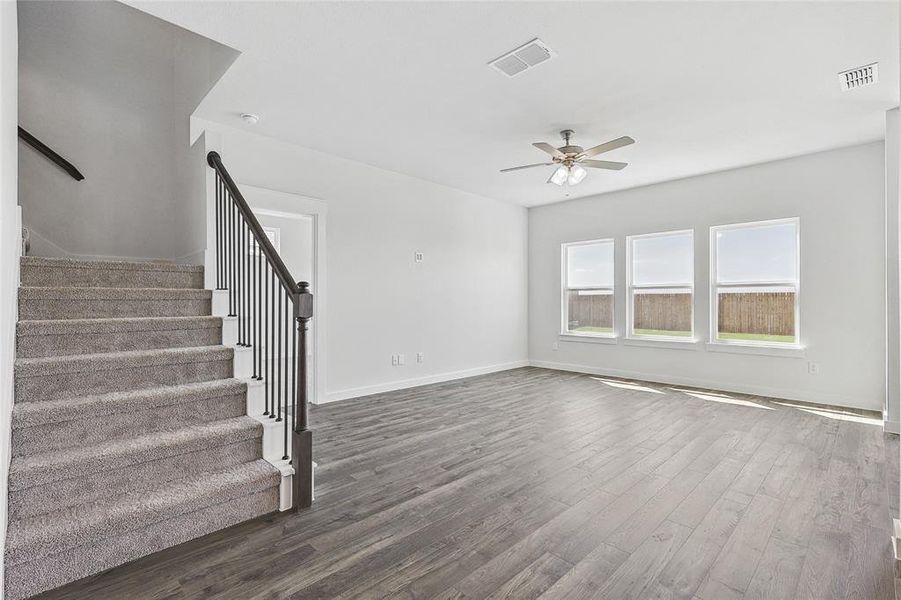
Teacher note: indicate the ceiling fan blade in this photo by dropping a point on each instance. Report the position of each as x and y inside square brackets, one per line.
[608, 146]
[549, 149]
[603, 164]
[526, 167]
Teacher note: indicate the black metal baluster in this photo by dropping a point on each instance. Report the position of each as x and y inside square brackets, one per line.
[272, 357]
[288, 383]
[233, 210]
[244, 282]
[269, 275]
[294, 371]
[223, 231]
[247, 277]
[254, 342]
[259, 311]
[278, 405]
[242, 309]
[218, 233]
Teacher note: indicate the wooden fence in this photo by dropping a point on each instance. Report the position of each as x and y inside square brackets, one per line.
[590, 310]
[769, 313]
[667, 312]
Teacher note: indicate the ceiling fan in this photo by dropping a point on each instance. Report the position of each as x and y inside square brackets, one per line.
[572, 160]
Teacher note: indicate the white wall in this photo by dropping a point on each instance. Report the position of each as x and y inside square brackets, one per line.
[9, 251]
[112, 89]
[464, 307]
[839, 197]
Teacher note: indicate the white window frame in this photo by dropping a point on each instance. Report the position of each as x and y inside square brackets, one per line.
[715, 286]
[631, 287]
[564, 278]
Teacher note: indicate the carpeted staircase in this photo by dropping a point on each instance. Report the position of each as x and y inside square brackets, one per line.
[129, 432]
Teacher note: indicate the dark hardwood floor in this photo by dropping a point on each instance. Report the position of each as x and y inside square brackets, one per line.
[536, 483]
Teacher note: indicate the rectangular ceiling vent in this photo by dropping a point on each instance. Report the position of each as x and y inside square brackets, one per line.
[859, 77]
[523, 58]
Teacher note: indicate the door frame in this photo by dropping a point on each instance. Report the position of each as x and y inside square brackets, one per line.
[265, 201]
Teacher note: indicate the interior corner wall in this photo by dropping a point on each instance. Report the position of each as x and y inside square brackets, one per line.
[838, 196]
[463, 306]
[112, 89]
[892, 408]
[9, 240]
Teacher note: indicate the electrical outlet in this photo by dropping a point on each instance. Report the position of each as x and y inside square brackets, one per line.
[813, 368]
[401, 360]
[420, 358]
[555, 346]
[418, 256]
[394, 360]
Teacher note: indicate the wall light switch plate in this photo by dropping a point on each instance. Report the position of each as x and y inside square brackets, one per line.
[401, 359]
[420, 357]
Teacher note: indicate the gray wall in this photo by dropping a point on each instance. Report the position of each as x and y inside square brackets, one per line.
[112, 89]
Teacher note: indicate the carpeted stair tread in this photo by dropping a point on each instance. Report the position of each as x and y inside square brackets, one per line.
[69, 337]
[40, 271]
[105, 265]
[114, 325]
[38, 303]
[106, 361]
[59, 531]
[31, 414]
[111, 293]
[40, 469]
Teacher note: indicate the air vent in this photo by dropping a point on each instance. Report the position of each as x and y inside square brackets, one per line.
[523, 58]
[859, 77]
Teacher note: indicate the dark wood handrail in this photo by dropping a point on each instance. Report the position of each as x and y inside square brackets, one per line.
[49, 153]
[278, 265]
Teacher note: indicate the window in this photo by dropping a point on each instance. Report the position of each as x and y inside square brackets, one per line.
[661, 285]
[588, 288]
[755, 282]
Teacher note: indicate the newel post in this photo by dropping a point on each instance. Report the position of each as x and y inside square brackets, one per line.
[302, 437]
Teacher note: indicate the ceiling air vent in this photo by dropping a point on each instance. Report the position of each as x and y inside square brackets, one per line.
[859, 77]
[523, 58]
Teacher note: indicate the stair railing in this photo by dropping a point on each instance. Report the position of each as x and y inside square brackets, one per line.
[47, 151]
[273, 312]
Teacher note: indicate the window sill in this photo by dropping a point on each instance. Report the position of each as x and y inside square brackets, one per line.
[785, 351]
[675, 343]
[591, 339]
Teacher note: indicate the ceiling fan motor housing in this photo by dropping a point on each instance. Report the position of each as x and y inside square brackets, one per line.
[567, 148]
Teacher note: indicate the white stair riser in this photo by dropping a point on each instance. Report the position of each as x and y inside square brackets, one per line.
[243, 362]
[256, 400]
[220, 303]
[229, 331]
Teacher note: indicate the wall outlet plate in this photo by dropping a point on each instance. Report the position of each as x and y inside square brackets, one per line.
[418, 256]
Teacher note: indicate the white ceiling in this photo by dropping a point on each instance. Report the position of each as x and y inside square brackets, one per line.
[701, 86]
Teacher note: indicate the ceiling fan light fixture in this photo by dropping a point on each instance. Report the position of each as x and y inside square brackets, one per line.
[576, 175]
[559, 176]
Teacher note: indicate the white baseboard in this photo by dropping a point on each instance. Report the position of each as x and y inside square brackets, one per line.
[418, 381]
[726, 386]
[891, 427]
